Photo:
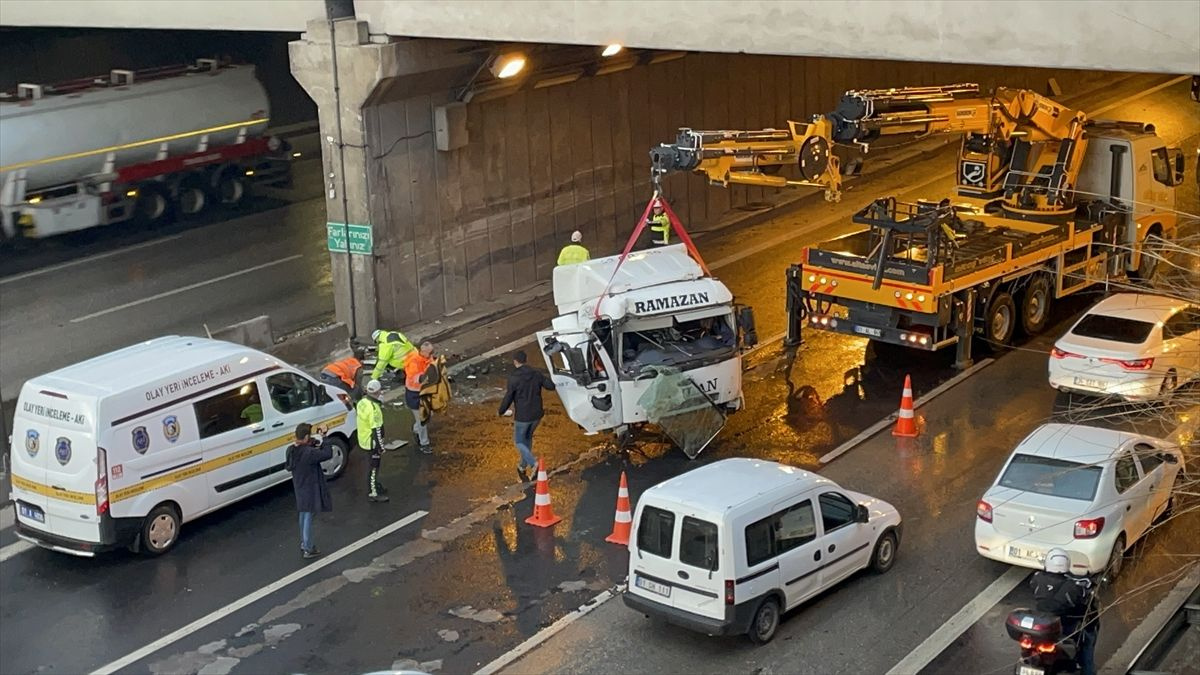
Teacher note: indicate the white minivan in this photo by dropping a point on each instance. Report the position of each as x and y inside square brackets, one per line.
[122, 449]
[726, 548]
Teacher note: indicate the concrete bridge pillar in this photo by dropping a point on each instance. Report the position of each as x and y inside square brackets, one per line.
[352, 75]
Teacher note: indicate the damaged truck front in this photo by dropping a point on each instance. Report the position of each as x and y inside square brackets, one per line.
[651, 339]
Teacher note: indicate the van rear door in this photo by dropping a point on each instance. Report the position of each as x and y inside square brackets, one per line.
[54, 467]
[676, 560]
[698, 575]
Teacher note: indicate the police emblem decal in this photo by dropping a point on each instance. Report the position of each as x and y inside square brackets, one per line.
[141, 440]
[171, 428]
[62, 450]
[32, 442]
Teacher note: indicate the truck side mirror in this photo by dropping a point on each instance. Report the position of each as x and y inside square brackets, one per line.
[745, 319]
[1176, 156]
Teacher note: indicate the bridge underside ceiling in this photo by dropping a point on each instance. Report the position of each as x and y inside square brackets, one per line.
[1151, 36]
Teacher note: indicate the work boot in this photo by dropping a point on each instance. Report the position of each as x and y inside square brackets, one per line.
[378, 498]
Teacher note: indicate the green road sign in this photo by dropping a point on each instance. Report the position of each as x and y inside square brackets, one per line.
[361, 240]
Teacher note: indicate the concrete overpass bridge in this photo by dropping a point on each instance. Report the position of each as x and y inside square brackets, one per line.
[469, 184]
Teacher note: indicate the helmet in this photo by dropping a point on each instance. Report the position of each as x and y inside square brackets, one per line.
[375, 335]
[576, 237]
[1058, 561]
[657, 204]
[374, 387]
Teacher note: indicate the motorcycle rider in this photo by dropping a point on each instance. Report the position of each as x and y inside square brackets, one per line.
[1071, 598]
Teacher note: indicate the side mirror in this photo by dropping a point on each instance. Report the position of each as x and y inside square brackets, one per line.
[745, 319]
[862, 514]
[1176, 158]
[1168, 457]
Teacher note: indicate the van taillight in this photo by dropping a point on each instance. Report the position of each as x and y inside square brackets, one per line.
[101, 482]
[729, 591]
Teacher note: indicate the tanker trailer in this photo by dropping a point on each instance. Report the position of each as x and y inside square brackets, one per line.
[144, 145]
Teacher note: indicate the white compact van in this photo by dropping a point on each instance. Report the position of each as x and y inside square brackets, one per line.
[726, 548]
[122, 449]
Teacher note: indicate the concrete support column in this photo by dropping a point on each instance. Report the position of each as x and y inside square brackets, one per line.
[347, 72]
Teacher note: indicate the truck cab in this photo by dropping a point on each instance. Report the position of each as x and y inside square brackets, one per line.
[1127, 164]
[621, 324]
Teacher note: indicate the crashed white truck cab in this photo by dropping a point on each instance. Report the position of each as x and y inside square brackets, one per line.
[662, 313]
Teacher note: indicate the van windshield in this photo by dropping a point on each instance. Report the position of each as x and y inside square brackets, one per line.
[698, 544]
[656, 532]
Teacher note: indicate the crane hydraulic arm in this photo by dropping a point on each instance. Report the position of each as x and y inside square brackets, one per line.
[1039, 139]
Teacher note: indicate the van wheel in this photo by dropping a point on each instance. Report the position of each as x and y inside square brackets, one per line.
[335, 466]
[160, 530]
[765, 623]
[884, 555]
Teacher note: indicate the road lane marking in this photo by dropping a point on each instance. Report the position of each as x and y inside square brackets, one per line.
[885, 422]
[138, 655]
[966, 617]
[91, 258]
[550, 631]
[1141, 94]
[189, 287]
[16, 549]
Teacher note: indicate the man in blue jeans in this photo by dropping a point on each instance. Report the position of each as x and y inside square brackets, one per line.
[312, 493]
[525, 386]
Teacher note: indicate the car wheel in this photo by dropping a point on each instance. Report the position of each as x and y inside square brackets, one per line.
[1116, 559]
[335, 466]
[1169, 383]
[1035, 305]
[160, 530]
[884, 555]
[1000, 320]
[765, 623]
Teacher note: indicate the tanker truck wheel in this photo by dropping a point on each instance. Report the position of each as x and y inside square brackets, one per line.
[191, 196]
[231, 188]
[153, 207]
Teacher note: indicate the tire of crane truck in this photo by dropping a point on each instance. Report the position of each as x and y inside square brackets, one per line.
[999, 321]
[1035, 301]
[1152, 251]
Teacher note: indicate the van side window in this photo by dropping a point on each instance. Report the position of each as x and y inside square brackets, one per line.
[698, 544]
[229, 410]
[290, 392]
[656, 532]
[836, 511]
[780, 532]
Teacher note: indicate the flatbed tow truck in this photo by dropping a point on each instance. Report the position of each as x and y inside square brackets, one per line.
[1049, 203]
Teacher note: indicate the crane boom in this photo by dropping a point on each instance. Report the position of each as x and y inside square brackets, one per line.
[1016, 144]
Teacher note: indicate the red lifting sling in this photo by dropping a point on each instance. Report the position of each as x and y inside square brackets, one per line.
[637, 232]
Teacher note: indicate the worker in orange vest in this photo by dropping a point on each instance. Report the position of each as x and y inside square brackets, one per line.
[344, 373]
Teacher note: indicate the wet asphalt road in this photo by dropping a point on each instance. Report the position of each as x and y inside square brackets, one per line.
[471, 580]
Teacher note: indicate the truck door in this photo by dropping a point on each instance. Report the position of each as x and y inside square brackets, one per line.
[585, 378]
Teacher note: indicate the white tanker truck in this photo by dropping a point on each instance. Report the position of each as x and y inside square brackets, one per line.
[144, 144]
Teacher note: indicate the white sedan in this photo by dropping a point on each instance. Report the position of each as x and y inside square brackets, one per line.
[1091, 491]
[1132, 345]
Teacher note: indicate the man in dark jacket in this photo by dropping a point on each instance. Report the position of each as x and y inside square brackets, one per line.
[525, 386]
[312, 493]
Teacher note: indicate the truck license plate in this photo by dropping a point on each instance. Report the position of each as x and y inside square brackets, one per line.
[867, 330]
[653, 586]
[31, 512]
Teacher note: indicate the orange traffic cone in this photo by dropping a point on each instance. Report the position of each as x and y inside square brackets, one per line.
[624, 519]
[543, 513]
[906, 423]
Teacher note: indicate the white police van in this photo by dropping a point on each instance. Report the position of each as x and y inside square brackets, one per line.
[122, 449]
[726, 548]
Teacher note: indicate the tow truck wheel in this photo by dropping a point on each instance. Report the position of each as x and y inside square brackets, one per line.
[1035, 305]
[999, 321]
